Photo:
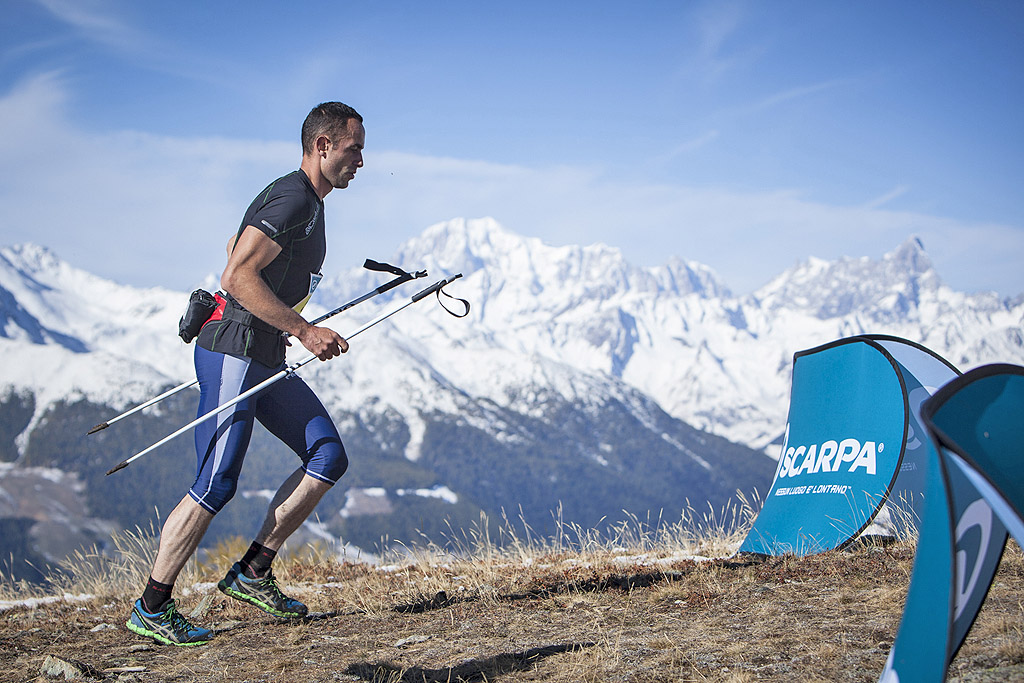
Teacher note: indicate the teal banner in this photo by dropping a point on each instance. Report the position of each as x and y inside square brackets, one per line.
[843, 447]
[974, 494]
[921, 649]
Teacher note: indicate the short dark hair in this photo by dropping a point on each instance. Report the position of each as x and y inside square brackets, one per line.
[326, 118]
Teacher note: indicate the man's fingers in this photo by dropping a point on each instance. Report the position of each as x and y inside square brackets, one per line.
[328, 350]
[329, 344]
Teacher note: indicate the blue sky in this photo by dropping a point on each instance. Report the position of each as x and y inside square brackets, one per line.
[747, 136]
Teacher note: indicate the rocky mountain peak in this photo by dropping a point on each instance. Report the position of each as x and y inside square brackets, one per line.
[31, 258]
[893, 285]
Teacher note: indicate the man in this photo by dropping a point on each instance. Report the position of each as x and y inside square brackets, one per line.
[273, 265]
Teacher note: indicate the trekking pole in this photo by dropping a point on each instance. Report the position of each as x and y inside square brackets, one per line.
[142, 406]
[370, 264]
[289, 369]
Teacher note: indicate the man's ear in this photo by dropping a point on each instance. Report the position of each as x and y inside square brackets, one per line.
[323, 143]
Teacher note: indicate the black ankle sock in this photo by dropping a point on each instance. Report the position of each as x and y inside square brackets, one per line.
[156, 596]
[256, 561]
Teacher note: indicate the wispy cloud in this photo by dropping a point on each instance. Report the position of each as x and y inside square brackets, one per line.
[107, 24]
[97, 20]
[155, 210]
[717, 23]
[127, 205]
[884, 199]
[31, 104]
[794, 93]
[695, 143]
[684, 148]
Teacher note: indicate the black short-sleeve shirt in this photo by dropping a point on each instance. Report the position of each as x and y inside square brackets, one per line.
[290, 212]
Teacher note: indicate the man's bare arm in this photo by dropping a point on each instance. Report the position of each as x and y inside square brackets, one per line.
[253, 252]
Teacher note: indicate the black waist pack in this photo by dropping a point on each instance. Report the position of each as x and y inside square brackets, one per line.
[201, 306]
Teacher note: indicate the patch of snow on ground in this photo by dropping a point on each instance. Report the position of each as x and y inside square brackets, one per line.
[34, 603]
[442, 492]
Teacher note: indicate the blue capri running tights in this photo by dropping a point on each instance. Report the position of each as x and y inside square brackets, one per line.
[288, 409]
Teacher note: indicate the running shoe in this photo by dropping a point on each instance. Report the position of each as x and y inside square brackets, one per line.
[264, 593]
[168, 627]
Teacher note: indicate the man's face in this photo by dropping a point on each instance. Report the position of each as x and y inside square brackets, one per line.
[344, 155]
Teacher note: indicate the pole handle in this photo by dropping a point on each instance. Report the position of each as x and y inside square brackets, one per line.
[434, 288]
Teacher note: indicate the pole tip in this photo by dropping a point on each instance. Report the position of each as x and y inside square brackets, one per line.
[101, 425]
[120, 466]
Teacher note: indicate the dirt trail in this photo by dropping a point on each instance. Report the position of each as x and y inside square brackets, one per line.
[555, 618]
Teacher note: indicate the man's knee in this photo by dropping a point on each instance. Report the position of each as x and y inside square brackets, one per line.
[216, 495]
[329, 461]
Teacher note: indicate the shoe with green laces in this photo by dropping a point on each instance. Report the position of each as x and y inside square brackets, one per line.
[168, 627]
[264, 593]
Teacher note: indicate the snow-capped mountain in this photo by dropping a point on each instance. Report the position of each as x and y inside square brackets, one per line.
[675, 333]
[65, 332]
[575, 320]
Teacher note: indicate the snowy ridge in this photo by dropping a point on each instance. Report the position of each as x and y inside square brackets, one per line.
[674, 333]
[68, 334]
[578, 322]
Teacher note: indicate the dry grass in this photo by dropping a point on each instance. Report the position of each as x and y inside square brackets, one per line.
[622, 606]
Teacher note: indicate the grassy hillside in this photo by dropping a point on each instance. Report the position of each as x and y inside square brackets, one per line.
[637, 605]
[591, 462]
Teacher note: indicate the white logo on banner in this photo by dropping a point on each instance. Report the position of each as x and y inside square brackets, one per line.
[830, 456]
[978, 514]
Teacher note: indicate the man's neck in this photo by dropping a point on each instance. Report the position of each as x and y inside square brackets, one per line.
[311, 168]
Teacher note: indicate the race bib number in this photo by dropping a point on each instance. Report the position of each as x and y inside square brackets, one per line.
[314, 280]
